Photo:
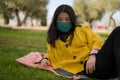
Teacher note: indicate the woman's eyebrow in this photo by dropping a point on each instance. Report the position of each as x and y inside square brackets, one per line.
[58, 17]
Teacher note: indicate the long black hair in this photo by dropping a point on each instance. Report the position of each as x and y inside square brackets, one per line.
[53, 32]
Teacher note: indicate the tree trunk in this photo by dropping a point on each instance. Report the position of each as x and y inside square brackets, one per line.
[18, 18]
[6, 19]
[111, 19]
[25, 18]
[31, 19]
[114, 23]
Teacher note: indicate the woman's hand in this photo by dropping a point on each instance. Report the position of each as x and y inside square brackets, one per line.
[45, 63]
[90, 64]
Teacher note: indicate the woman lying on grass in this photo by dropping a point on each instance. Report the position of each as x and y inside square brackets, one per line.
[74, 50]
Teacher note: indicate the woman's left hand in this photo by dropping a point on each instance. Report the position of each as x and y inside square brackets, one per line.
[90, 64]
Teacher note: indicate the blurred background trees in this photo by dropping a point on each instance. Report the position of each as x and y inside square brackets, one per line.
[86, 11]
[34, 9]
[91, 10]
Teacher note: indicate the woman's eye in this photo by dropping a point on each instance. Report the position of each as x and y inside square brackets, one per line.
[59, 19]
[68, 19]
[64, 19]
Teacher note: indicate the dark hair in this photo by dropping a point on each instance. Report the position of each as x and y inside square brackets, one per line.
[53, 32]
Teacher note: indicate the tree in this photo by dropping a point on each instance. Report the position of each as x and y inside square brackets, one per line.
[88, 10]
[5, 11]
[34, 9]
[30, 8]
[80, 8]
[110, 5]
[40, 12]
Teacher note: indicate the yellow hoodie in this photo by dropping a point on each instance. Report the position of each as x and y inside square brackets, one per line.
[72, 57]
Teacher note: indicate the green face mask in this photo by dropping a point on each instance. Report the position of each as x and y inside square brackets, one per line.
[64, 26]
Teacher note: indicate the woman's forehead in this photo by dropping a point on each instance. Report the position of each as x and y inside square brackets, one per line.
[63, 14]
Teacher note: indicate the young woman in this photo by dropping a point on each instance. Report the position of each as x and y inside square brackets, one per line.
[76, 49]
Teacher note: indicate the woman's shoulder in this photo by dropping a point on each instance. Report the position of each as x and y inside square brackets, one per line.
[82, 26]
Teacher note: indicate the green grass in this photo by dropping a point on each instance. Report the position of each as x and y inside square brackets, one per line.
[104, 35]
[17, 43]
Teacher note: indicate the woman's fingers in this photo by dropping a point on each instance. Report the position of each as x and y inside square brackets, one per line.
[90, 64]
[90, 68]
[45, 63]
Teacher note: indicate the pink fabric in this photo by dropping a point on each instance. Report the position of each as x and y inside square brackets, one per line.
[33, 57]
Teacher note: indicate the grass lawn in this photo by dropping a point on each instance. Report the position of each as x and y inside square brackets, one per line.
[17, 43]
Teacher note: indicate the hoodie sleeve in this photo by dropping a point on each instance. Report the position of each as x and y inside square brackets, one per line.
[94, 40]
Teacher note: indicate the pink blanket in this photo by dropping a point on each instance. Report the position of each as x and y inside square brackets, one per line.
[33, 57]
[30, 59]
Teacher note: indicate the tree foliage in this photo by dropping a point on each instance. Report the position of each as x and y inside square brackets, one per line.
[5, 11]
[35, 9]
[90, 10]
